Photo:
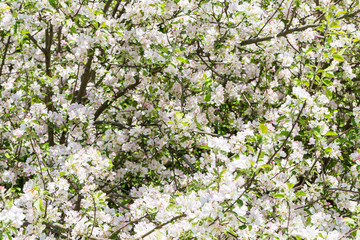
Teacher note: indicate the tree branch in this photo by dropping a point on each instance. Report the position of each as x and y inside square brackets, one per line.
[85, 77]
[116, 124]
[281, 34]
[4, 55]
[161, 225]
[247, 184]
[270, 18]
[119, 94]
[115, 233]
[94, 223]
[287, 137]
[36, 43]
[107, 6]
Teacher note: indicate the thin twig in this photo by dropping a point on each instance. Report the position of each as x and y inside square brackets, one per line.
[288, 136]
[350, 232]
[282, 34]
[93, 226]
[270, 18]
[115, 233]
[343, 190]
[36, 43]
[161, 225]
[119, 94]
[247, 184]
[4, 55]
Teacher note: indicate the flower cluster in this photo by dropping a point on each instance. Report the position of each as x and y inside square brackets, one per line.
[179, 119]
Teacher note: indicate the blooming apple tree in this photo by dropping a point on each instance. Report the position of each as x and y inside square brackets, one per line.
[179, 119]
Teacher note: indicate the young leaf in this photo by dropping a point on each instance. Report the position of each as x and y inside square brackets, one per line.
[184, 60]
[290, 185]
[330, 133]
[39, 205]
[300, 194]
[263, 128]
[338, 57]
[207, 98]
[52, 3]
[328, 93]
[279, 195]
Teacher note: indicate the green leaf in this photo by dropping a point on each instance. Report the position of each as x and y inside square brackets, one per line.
[338, 57]
[279, 195]
[281, 118]
[320, 28]
[242, 227]
[329, 74]
[328, 93]
[266, 166]
[52, 3]
[207, 97]
[349, 220]
[330, 133]
[232, 212]
[309, 74]
[164, 50]
[317, 129]
[327, 150]
[284, 133]
[95, 24]
[340, 12]
[72, 165]
[263, 128]
[39, 205]
[184, 60]
[15, 28]
[335, 25]
[73, 29]
[111, 165]
[179, 115]
[300, 194]
[232, 231]
[240, 202]
[327, 82]
[48, 197]
[290, 185]
[9, 235]
[204, 147]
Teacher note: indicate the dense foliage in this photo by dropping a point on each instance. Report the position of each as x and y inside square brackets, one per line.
[179, 119]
